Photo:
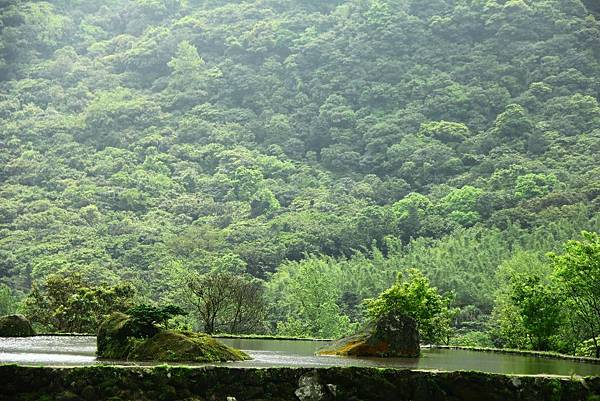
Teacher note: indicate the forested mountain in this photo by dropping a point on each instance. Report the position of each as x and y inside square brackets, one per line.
[341, 140]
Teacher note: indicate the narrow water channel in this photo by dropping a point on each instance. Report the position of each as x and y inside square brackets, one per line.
[80, 351]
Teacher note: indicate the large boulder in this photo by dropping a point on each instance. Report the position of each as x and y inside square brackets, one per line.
[118, 338]
[173, 346]
[391, 335]
[15, 326]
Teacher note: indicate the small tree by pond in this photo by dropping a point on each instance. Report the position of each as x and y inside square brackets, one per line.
[412, 295]
[225, 302]
[540, 308]
[68, 304]
[149, 319]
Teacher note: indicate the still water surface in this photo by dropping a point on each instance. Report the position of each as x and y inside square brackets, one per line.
[80, 351]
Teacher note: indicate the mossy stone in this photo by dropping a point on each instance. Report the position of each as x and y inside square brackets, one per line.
[67, 396]
[186, 346]
[15, 326]
[117, 340]
[391, 335]
[115, 337]
[89, 393]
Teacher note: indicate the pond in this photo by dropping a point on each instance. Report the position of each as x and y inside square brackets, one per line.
[79, 351]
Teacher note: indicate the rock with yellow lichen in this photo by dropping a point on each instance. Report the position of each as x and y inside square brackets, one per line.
[391, 335]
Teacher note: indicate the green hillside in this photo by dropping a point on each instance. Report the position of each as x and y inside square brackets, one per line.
[340, 141]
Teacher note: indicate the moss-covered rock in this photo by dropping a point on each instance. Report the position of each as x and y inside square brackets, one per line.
[15, 326]
[115, 338]
[118, 339]
[172, 346]
[390, 336]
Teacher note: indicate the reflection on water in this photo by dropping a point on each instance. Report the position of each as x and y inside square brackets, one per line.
[79, 351]
[293, 347]
[44, 350]
[46, 359]
[82, 345]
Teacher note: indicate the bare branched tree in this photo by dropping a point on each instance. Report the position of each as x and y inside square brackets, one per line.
[227, 303]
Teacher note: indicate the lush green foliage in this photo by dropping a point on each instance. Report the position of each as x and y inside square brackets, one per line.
[578, 274]
[551, 303]
[8, 302]
[148, 319]
[413, 296]
[69, 304]
[473, 339]
[322, 147]
[306, 299]
[540, 307]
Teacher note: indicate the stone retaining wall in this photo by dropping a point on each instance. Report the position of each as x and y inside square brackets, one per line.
[19, 383]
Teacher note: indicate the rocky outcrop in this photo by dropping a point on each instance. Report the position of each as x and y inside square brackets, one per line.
[15, 326]
[173, 346]
[20, 383]
[389, 336]
[118, 338]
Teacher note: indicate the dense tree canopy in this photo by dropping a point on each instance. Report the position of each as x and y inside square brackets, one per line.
[320, 146]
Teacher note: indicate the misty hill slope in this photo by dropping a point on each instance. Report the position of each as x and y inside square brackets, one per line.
[140, 137]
